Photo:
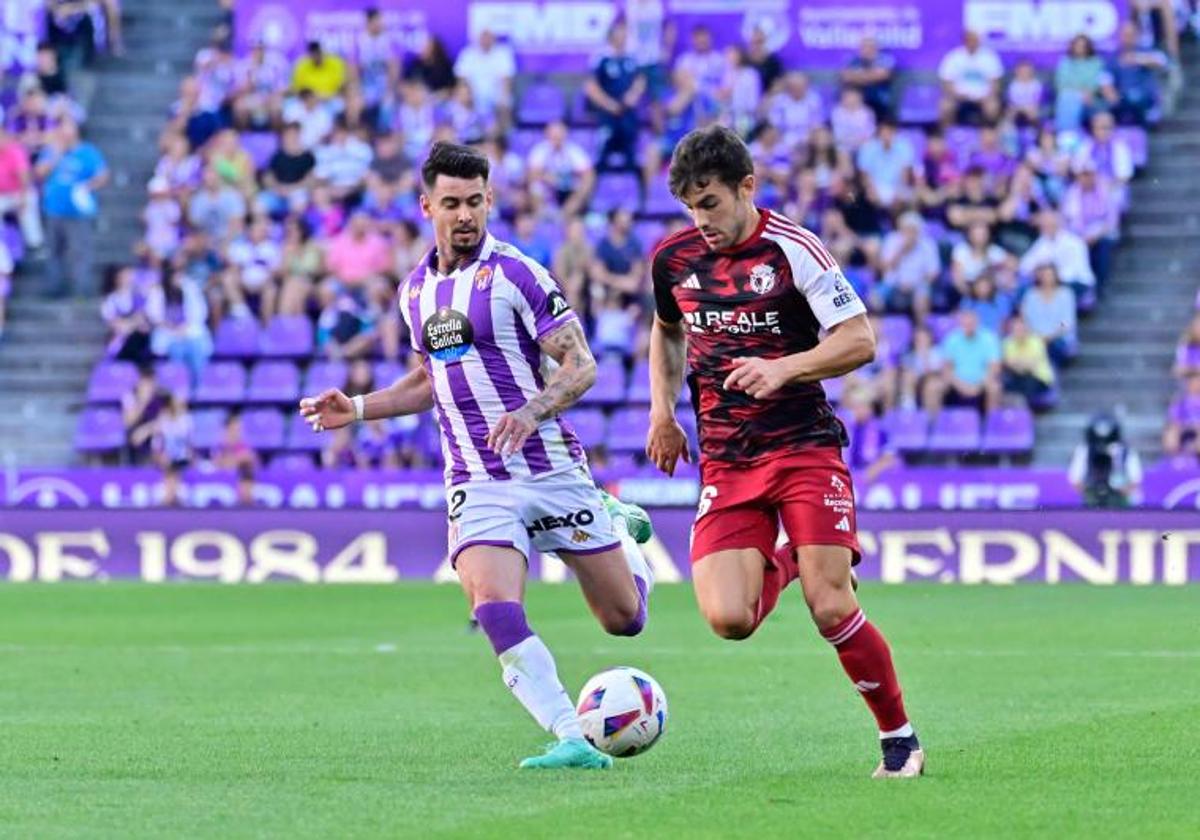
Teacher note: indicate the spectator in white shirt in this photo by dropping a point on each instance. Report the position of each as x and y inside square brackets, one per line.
[314, 119]
[250, 282]
[974, 257]
[1110, 153]
[970, 76]
[886, 162]
[489, 68]
[796, 109]
[343, 162]
[561, 170]
[1090, 209]
[1066, 251]
[909, 264]
[853, 122]
[707, 65]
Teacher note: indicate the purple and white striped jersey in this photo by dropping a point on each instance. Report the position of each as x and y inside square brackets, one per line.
[477, 330]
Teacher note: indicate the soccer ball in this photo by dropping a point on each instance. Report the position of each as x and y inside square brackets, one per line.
[623, 711]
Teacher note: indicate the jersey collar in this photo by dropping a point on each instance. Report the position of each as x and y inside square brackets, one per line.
[763, 215]
[483, 251]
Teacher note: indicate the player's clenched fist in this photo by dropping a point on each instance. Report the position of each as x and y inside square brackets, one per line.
[511, 431]
[666, 443]
[757, 377]
[331, 410]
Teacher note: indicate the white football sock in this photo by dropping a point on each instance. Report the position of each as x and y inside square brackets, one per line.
[530, 675]
[633, 553]
[903, 732]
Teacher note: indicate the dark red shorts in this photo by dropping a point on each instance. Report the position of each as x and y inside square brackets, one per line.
[742, 505]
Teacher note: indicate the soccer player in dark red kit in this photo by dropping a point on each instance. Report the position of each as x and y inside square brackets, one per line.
[742, 297]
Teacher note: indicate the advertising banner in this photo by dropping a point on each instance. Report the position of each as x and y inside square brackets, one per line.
[254, 546]
[563, 35]
[901, 488]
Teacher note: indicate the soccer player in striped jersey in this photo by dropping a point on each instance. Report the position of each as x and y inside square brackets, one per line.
[486, 321]
[742, 298]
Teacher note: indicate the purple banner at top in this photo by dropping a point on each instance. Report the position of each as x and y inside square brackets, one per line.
[254, 546]
[901, 488]
[563, 35]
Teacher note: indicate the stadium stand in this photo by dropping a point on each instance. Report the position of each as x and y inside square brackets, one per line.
[282, 212]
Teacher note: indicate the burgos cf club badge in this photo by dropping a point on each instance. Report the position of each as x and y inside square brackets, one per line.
[762, 279]
[448, 335]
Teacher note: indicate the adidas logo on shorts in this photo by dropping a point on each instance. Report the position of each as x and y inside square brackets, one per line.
[843, 524]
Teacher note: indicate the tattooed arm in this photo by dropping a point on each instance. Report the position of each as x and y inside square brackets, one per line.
[576, 372]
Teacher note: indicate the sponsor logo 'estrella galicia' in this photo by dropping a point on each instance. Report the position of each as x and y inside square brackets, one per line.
[448, 335]
[557, 304]
[578, 519]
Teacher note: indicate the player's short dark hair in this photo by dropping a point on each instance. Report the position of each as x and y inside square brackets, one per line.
[705, 154]
[453, 161]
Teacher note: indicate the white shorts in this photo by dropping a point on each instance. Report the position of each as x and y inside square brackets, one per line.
[559, 512]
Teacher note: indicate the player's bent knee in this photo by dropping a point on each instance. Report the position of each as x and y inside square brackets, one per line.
[829, 612]
[623, 621]
[732, 625]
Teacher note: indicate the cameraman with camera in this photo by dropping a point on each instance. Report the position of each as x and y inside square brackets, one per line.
[1104, 469]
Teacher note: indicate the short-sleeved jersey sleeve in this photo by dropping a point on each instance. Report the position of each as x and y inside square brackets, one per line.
[538, 298]
[665, 304]
[817, 276]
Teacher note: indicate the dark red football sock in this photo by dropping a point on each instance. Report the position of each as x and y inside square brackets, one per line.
[781, 571]
[867, 661]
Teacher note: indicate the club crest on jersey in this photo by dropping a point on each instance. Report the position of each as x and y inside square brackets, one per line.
[414, 291]
[762, 279]
[483, 278]
[448, 334]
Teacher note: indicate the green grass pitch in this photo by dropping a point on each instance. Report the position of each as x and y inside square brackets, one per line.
[289, 711]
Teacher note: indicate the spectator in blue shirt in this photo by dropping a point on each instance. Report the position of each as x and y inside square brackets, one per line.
[619, 263]
[971, 374]
[871, 72]
[71, 170]
[614, 91]
[1134, 72]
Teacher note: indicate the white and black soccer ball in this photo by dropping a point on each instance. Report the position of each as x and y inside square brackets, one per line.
[623, 711]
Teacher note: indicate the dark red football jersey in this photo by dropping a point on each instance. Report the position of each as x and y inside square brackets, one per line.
[769, 296]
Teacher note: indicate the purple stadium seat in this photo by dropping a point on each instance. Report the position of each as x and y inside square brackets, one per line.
[293, 462]
[522, 140]
[587, 138]
[99, 430]
[627, 430]
[907, 428]
[610, 383]
[833, 389]
[1045, 401]
[1135, 137]
[963, 140]
[263, 428]
[273, 382]
[590, 425]
[541, 103]
[221, 382]
[919, 103]
[581, 114]
[687, 419]
[387, 372]
[649, 232]
[1008, 430]
[941, 325]
[236, 338]
[287, 337]
[322, 376]
[955, 430]
[260, 145]
[11, 236]
[174, 377]
[208, 428]
[110, 381]
[639, 383]
[302, 438]
[898, 330]
[659, 201]
[615, 190]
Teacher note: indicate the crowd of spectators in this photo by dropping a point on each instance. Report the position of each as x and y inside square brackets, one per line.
[286, 192]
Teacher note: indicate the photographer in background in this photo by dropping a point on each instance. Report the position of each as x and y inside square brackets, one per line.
[1105, 470]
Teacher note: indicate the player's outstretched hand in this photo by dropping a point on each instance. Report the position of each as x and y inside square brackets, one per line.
[757, 377]
[331, 410]
[511, 431]
[666, 443]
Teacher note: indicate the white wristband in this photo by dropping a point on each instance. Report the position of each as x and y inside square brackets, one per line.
[360, 407]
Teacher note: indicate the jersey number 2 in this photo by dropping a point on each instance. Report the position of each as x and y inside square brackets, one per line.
[457, 499]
